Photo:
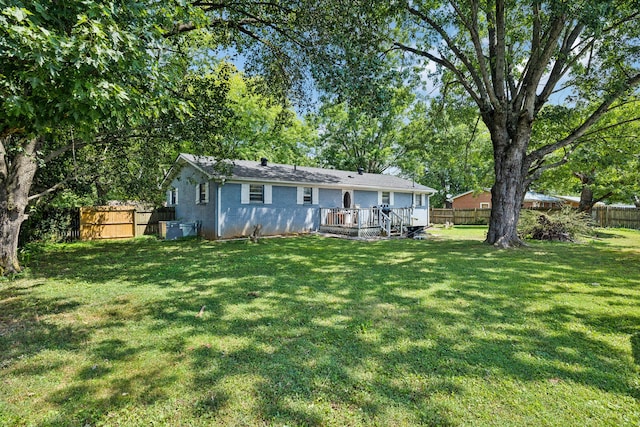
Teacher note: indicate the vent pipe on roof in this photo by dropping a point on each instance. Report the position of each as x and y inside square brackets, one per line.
[263, 161]
[360, 170]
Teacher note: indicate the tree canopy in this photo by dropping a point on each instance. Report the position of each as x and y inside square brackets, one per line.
[510, 59]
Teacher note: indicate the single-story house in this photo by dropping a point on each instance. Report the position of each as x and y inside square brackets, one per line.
[482, 200]
[235, 198]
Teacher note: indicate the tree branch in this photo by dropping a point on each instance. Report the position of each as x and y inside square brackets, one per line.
[445, 63]
[482, 89]
[49, 190]
[498, 62]
[590, 121]
[536, 65]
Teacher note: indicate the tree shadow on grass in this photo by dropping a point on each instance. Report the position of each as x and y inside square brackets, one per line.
[24, 330]
[635, 347]
[316, 331]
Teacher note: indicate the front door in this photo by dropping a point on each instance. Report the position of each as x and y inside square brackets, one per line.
[346, 199]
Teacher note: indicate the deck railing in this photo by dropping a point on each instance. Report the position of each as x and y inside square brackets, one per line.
[373, 217]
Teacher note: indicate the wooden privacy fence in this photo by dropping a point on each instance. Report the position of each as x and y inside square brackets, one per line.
[606, 216]
[121, 222]
[460, 216]
[611, 216]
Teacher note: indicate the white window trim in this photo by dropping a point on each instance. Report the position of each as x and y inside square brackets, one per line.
[206, 193]
[300, 195]
[267, 194]
[391, 198]
[244, 194]
[170, 193]
[484, 205]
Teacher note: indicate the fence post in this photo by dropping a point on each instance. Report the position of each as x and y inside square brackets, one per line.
[135, 221]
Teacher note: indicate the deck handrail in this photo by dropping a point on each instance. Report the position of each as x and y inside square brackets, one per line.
[364, 217]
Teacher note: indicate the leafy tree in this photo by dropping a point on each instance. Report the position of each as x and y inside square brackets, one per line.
[70, 65]
[227, 117]
[510, 58]
[353, 136]
[446, 147]
[604, 164]
[76, 75]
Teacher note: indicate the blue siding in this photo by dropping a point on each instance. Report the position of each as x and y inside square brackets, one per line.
[330, 198]
[365, 199]
[283, 216]
[187, 210]
[402, 200]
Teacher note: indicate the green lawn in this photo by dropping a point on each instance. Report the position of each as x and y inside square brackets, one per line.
[318, 331]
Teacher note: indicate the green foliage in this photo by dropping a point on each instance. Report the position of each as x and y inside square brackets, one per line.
[607, 156]
[75, 63]
[446, 148]
[354, 135]
[224, 116]
[50, 224]
[566, 224]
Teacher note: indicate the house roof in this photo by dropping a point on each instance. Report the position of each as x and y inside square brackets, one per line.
[252, 171]
[532, 196]
[575, 199]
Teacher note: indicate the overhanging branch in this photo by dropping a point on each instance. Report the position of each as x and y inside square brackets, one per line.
[581, 130]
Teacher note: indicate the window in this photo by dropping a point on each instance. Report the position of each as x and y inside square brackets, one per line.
[307, 195]
[307, 198]
[172, 197]
[386, 198]
[202, 193]
[256, 193]
[484, 205]
[418, 200]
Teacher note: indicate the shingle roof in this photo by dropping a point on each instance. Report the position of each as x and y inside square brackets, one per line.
[246, 170]
[532, 196]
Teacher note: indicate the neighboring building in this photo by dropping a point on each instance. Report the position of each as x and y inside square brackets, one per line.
[482, 200]
[537, 200]
[237, 198]
[472, 200]
[574, 201]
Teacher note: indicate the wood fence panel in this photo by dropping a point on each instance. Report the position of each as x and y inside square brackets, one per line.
[147, 221]
[471, 216]
[107, 222]
[609, 216]
[441, 216]
[460, 216]
[606, 216]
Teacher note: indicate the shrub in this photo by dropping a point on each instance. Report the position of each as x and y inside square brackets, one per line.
[50, 224]
[565, 224]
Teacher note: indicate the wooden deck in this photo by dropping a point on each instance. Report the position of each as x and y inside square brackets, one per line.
[365, 223]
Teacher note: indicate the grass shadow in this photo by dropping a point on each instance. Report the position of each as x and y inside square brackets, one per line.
[314, 331]
[635, 347]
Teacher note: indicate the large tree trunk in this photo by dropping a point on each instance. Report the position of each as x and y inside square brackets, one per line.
[507, 193]
[16, 177]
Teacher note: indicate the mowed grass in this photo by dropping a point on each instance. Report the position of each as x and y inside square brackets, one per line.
[314, 331]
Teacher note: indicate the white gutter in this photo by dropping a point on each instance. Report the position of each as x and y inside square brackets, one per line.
[329, 185]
